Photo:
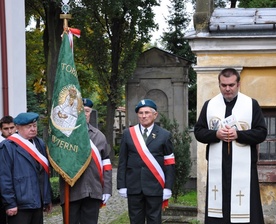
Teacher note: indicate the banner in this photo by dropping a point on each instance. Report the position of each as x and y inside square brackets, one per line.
[68, 143]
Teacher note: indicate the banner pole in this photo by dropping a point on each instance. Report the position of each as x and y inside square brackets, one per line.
[65, 18]
[66, 203]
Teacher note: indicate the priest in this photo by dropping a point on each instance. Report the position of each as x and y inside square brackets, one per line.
[232, 125]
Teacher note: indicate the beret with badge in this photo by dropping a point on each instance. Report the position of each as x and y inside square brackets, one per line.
[87, 102]
[26, 118]
[145, 103]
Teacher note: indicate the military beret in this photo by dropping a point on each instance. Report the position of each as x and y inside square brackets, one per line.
[87, 102]
[26, 118]
[145, 103]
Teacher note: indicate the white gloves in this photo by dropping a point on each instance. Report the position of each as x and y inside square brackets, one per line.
[123, 192]
[167, 193]
[105, 198]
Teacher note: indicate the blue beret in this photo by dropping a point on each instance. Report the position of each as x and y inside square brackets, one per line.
[26, 118]
[87, 102]
[145, 103]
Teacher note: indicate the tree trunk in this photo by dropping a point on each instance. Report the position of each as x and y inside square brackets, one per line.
[52, 42]
[233, 3]
[111, 107]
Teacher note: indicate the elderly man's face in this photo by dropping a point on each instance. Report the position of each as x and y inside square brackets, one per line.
[27, 131]
[146, 116]
[87, 112]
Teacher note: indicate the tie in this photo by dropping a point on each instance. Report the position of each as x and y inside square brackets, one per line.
[145, 135]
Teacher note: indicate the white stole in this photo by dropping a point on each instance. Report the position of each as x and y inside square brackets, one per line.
[241, 162]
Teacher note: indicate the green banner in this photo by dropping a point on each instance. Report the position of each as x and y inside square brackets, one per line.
[68, 143]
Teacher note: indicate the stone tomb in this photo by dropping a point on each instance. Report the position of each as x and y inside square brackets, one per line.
[162, 77]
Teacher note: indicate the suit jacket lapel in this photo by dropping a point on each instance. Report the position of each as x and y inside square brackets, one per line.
[153, 135]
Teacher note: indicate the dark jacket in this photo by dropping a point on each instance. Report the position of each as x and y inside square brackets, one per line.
[19, 177]
[133, 173]
[89, 184]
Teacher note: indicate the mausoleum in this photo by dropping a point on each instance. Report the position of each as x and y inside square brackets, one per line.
[244, 39]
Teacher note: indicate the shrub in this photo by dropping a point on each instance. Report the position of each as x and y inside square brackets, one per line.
[116, 149]
[55, 189]
[181, 143]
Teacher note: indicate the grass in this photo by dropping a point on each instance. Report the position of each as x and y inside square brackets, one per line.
[187, 199]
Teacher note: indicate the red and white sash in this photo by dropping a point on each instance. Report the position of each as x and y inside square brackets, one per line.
[146, 155]
[102, 165]
[148, 158]
[31, 149]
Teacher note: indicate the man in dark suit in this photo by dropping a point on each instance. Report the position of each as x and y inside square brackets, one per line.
[146, 166]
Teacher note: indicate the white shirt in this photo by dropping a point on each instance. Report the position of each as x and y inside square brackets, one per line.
[1, 138]
[149, 129]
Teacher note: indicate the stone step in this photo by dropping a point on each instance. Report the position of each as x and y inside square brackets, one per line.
[179, 214]
[177, 219]
[180, 210]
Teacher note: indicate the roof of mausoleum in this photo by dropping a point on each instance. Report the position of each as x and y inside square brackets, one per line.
[158, 57]
[239, 22]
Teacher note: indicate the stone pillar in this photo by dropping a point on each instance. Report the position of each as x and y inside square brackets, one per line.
[204, 9]
[180, 103]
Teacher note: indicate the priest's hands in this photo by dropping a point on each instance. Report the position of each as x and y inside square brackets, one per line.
[227, 134]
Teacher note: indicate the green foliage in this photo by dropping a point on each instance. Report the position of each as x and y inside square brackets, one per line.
[181, 143]
[257, 4]
[219, 3]
[174, 39]
[113, 34]
[55, 188]
[116, 149]
[36, 86]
